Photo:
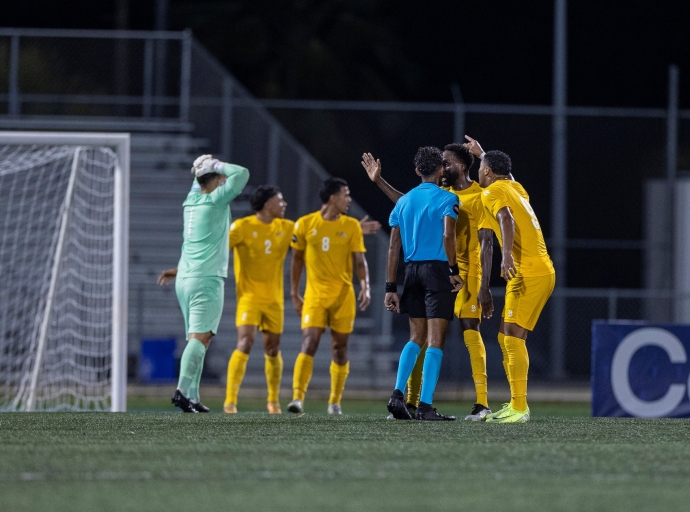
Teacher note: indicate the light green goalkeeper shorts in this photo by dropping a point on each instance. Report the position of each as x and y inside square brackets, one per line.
[201, 301]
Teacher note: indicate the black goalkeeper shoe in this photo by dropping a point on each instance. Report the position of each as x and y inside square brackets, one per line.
[412, 408]
[181, 401]
[396, 406]
[199, 406]
[427, 413]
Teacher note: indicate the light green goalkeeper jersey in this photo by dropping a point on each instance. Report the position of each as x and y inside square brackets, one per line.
[206, 224]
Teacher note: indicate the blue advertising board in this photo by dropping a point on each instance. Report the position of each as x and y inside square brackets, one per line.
[640, 370]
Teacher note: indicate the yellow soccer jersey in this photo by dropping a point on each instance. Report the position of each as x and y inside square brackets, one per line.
[470, 219]
[529, 248]
[259, 250]
[328, 247]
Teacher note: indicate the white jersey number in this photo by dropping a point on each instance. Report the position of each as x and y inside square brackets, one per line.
[529, 209]
[267, 244]
[325, 243]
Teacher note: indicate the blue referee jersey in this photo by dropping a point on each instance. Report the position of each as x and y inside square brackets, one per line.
[419, 213]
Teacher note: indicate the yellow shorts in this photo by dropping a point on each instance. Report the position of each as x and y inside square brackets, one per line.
[268, 317]
[525, 298]
[466, 303]
[339, 315]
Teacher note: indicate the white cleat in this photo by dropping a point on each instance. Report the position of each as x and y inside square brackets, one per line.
[479, 412]
[296, 406]
[335, 409]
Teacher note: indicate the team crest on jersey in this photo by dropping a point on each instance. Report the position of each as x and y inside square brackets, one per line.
[341, 234]
[313, 232]
[279, 233]
[487, 192]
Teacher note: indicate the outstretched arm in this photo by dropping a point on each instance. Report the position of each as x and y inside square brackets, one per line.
[296, 266]
[373, 168]
[486, 242]
[362, 270]
[507, 223]
[392, 301]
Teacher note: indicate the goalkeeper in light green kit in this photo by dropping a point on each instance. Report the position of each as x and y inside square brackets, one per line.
[203, 267]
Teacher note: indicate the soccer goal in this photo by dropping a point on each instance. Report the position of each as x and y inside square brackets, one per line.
[64, 237]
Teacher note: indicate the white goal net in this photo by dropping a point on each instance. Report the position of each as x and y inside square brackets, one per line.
[63, 234]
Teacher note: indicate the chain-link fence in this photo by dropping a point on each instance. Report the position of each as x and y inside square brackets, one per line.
[146, 78]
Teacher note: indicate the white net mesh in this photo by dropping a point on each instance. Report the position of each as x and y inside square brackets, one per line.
[56, 268]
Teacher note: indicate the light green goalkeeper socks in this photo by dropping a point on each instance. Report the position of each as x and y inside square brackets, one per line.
[191, 366]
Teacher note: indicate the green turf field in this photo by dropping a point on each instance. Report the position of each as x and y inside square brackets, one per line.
[562, 460]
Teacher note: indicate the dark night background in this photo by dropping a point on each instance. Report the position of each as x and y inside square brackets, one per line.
[496, 51]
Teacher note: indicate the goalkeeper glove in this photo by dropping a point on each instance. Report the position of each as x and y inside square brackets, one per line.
[206, 164]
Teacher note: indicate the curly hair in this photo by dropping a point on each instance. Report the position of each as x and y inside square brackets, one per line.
[262, 194]
[331, 186]
[427, 160]
[498, 161]
[463, 155]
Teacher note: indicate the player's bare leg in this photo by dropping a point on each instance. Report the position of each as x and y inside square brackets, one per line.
[186, 396]
[311, 336]
[237, 366]
[340, 368]
[273, 369]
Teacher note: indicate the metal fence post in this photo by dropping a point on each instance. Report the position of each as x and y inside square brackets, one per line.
[226, 121]
[185, 75]
[671, 168]
[613, 303]
[458, 114]
[559, 191]
[148, 78]
[303, 187]
[13, 107]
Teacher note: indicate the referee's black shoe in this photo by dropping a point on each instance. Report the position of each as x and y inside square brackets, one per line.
[396, 406]
[427, 413]
[199, 406]
[181, 401]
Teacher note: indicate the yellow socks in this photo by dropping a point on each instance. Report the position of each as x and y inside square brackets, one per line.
[274, 371]
[501, 343]
[475, 346]
[414, 383]
[518, 362]
[302, 375]
[338, 377]
[237, 366]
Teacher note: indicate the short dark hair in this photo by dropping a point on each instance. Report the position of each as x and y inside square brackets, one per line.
[205, 179]
[498, 161]
[261, 195]
[427, 160]
[331, 186]
[461, 152]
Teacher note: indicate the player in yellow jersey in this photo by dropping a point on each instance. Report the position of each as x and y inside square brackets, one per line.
[526, 266]
[326, 242]
[474, 251]
[260, 243]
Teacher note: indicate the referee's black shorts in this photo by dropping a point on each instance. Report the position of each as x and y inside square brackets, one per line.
[427, 291]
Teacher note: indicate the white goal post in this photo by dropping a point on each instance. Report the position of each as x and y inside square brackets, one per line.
[64, 242]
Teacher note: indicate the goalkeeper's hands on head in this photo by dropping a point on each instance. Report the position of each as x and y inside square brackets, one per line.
[206, 164]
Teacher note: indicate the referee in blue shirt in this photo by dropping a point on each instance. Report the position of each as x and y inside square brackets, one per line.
[423, 223]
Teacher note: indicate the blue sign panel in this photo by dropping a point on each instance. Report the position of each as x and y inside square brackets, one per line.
[157, 361]
[640, 370]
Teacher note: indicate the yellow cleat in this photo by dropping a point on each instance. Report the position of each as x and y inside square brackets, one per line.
[230, 408]
[273, 408]
[511, 416]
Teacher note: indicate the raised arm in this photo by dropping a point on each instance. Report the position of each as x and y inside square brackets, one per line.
[392, 301]
[237, 178]
[507, 223]
[362, 270]
[373, 168]
[296, 266]
[486, 242]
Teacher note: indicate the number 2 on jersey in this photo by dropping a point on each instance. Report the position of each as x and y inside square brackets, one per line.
[267, 245]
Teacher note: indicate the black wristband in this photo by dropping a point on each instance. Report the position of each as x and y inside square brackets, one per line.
[454, 270]
[391, 287]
